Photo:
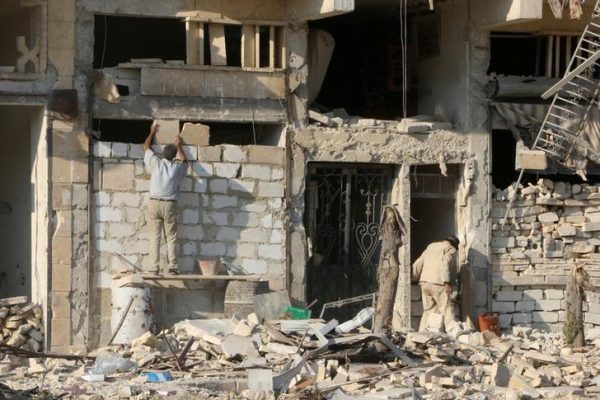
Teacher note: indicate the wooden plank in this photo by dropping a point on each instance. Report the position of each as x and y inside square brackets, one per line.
[271, 47]
[12, 301]
[218, 51]
[248, 46]
[195, 277]
[257, 46]
[191, 42]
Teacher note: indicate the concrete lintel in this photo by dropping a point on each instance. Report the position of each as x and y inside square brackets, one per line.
[506, 12]
[310, 10]
[183, 108]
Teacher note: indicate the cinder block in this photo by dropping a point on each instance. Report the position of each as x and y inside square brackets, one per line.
[190, 232]
[275, 204]
[189, 199]
[244, 250]
[255, 266]
[119, 150]
[505, 320]
[277, 174]
[544, 316]
[190, 216]
[222, 201]
[272, 252]
[122, 230]
[61, 332]
[61, 278]
[276, 236]
[209, 153]
[533, 294]
[61, 250]
[126, 199]
[218, 186]
[61, 196]
[245, 219]
[522, 318]
[509, 295]
[267, 221]
[270, 189]
[190, 152]
[503, 306]
[213, 249]
[227, 234]
[108, 214]
[102, 149]
[503, 242]
[118, 177]
[189, 248]
[215, 218]
[233, 154]
[202, 169]
[533, 159]
[266, 155]
[109, 246]
[254, 235]
[260, 172]
[548, 305]
[554, 294]
[226, 170]
[166, 131]
[200, 185]
[525, 306]
[548, 217]
[136, 151]
[242, 186]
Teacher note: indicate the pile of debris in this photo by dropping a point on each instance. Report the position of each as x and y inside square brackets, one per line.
[22, 324]
[299, 359]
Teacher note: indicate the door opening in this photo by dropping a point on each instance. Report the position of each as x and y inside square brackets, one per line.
[433, 216]
[344, 203]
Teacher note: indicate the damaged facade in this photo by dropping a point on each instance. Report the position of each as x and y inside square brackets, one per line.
[294, 201]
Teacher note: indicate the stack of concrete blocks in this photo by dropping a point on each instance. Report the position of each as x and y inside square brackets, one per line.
[549, 227]
[232, 206]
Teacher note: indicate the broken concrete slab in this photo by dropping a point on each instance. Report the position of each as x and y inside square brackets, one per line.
[195, 134]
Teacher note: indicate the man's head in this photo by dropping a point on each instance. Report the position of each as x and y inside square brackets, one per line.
[453, 240]
[169, 152]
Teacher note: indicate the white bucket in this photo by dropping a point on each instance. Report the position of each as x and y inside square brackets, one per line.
[139, 319]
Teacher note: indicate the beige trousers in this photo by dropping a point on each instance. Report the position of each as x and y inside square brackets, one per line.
[435, 300]
[161, 216]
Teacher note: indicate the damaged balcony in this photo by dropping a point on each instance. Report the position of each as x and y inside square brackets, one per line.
[213, 71]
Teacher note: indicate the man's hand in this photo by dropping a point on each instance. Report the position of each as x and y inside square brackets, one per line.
[448, 288]
[179, 144]
[148, 141]
[153, 127]
[178, 141]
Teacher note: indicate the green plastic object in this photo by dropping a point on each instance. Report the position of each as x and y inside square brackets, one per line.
[297, 312]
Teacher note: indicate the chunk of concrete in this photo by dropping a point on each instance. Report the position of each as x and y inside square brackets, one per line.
[500, 375]
[260, 379]
[517, 382]
[234, 345]
[147, 339]
[166, 130]
[195, 134]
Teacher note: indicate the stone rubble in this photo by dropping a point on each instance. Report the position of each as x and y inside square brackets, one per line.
[22, 323]
[240, 359]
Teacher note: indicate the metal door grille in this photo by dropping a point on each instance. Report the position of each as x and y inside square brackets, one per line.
[344, 206]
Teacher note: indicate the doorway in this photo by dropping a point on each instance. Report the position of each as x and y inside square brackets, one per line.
[433, 216]
[343, 213]
[20, 181]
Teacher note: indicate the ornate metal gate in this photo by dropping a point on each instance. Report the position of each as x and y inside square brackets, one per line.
[344, 204]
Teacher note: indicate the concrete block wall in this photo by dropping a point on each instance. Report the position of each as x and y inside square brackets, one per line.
[550, 226]
[232, 206]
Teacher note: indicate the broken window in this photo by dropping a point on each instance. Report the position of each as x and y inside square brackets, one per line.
[235, 44]
[342, 217]
[121, 39]
[365, 75]
[22, 38]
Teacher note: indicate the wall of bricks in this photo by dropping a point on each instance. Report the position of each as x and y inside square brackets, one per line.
[232, 206]
[550, 226]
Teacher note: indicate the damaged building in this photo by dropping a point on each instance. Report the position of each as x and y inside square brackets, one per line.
[301, 120]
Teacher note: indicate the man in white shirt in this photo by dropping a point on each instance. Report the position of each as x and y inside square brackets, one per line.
[434, 269]
[166, 174]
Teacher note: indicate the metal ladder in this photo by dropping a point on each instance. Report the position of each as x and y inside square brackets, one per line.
[574, 96]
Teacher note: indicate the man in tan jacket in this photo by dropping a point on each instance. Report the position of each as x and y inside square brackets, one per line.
[433, 270]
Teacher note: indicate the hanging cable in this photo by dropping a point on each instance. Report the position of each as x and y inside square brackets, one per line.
[404, 45]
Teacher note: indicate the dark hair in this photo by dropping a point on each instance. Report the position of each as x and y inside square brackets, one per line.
[169, 152]
[453, 240]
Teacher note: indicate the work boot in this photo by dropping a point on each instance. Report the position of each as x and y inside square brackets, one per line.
[173, 270]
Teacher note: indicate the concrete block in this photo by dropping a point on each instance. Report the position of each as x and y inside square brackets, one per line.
[593, 216]
[126, 199]
[245, 219]
[190, 152]
[255, 206]
[135, 151]
[548, 305]
[509, 295]
[242, 186]
[108, 214]
[102, 149]
[260, 380]
[254, 236]
[215, 218]
[226, 170]
[202, 169]
[190, 216]
[189, 199]
[142, 185]
[200, 185]
[503, 306]
[195, 134]
[591, 227]
[567, 230]
[533, 294]
[218, 186]
[226, 234]
[190, 232]
[270, 189]
[505, 320]
[266, 155]
[503, 242]
[272, 252]
[275, 204]
[267, 221]
[277, 174]
[525, 306]
[260, 172]
[243, 250]
[233, 154]
[109, 246]
[120, 150]
[532, 159]
[276, 236]
[554, 294]
[121, 230]
[222, 201]
[213, 249]
[522, 318]
[549, 217]
[189, 248]
[254, 266]
[209, 153]
[544, 316]
[166, 131]
[118, 177]
[61, 277]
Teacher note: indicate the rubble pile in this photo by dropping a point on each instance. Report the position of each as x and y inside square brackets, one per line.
[21, 323]
[300, 359]
[549, 225]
